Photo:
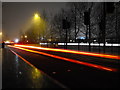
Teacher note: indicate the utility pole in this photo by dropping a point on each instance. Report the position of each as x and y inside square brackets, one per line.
[104, 25]
[66, 34]
[66, 26]
[87, 23]
[75, 24]
[89, 31]
[116, 23]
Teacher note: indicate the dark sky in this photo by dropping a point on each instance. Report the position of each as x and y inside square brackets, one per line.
[16, 15]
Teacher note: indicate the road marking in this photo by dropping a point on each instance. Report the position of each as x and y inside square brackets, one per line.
[70, 60]
[72, 51]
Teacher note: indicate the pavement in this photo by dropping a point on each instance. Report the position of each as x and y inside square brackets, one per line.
[18, 74]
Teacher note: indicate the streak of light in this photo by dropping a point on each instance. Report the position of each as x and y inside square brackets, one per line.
[70, 60]
[92, 44]
[71, 51]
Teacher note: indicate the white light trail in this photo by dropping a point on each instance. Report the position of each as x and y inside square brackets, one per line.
[92, 44]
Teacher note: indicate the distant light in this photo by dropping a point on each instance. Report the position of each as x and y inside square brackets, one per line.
[11, 42]
[42, 38]
[49, 40]
[43, 43]
[16, 40]
[68, 70]
[92, 44]
[54, 72]
[82, 37]
[21, 36]
[70, 40]
[25, 36]
[7, 41]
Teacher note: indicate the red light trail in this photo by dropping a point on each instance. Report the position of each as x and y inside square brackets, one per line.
[70, 60]
[71, 51]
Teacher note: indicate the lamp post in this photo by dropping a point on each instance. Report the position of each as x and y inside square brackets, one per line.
[37, 21]
[39, 25]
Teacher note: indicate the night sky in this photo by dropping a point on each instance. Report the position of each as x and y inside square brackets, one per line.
[16, 15]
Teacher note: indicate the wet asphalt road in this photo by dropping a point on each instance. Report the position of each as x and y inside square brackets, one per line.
[68, 74]
[18, 74]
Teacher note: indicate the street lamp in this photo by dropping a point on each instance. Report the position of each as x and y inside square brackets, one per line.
[37, 23]
[36, 16]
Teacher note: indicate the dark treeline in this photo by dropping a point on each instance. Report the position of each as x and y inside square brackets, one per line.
[101, 25]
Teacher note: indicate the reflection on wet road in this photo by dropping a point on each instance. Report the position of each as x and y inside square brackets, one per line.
[18, 74]
[19, 70]
[0, 67]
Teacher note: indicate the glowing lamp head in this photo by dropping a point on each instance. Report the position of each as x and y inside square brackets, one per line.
[36, 15]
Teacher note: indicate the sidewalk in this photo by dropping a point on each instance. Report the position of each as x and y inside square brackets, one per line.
[18, 74]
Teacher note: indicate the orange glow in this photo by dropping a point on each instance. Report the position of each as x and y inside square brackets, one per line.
[11, 42]
[70, 60]
[71, 51]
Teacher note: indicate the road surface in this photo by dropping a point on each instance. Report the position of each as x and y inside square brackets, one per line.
[71, 70]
